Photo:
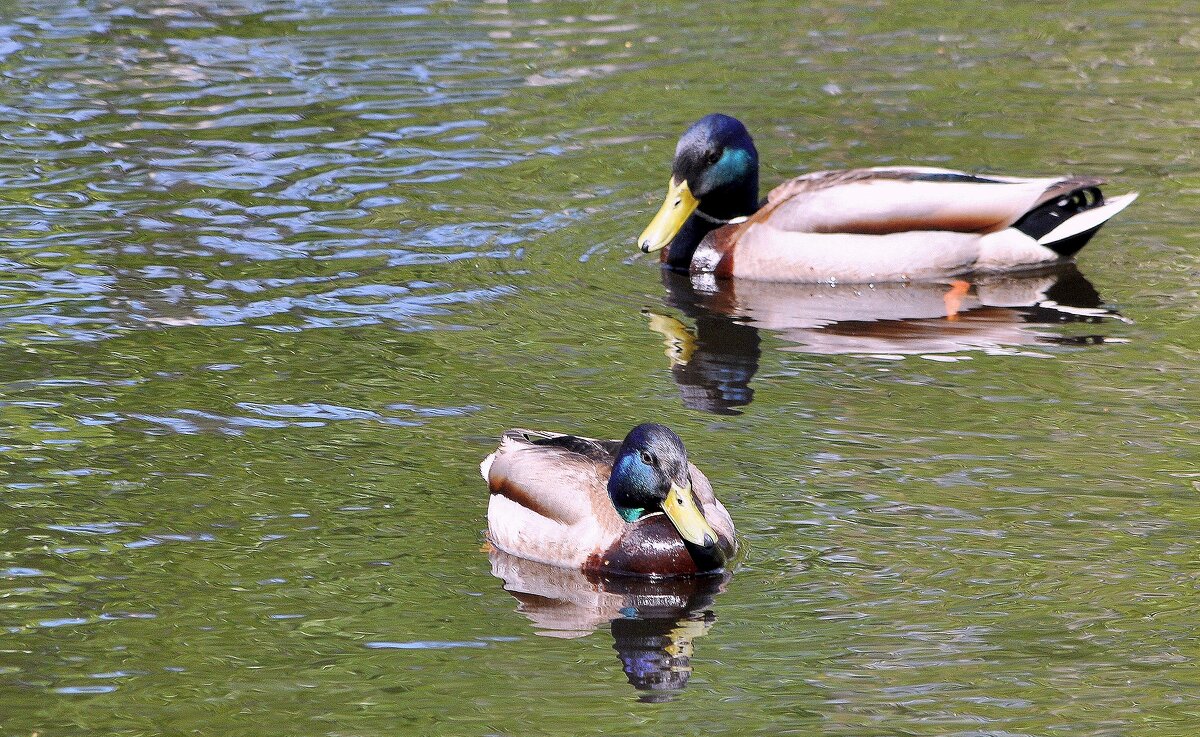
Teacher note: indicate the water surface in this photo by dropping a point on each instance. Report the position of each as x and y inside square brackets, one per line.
[275, 275]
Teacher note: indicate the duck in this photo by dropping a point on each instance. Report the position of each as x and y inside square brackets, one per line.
[633, 507]
[880, 224]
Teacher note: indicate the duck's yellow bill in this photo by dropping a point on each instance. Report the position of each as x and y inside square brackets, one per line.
[685, 514]
[675, 210]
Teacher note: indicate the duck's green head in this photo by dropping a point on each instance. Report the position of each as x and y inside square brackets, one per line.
[651, 475]
[715, 172]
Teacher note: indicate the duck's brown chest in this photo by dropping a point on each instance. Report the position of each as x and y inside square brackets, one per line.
[714, 255]
[650, 546]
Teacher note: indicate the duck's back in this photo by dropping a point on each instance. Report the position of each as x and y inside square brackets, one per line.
[889, 200]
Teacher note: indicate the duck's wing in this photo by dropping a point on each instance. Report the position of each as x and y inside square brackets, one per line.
[887, 200]
[559, 477]
[549, 496]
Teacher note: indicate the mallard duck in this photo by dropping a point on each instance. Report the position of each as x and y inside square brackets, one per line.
[861, 225]
[635, 507]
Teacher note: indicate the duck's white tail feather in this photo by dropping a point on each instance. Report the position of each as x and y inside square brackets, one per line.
[485, 467]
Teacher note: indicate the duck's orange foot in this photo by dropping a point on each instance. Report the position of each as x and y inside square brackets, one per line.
[954, 297]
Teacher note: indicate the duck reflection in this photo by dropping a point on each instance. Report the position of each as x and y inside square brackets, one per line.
[714, 361]
[653, 622]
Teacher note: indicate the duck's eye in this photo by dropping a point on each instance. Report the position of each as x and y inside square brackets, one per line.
[647, 458]
[713, 156]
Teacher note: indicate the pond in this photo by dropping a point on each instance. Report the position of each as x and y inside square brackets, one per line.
[275, 275]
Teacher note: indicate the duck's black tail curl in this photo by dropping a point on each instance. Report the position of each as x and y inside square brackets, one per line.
[1042, 220]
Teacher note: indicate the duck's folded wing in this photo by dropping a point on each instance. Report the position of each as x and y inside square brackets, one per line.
[557, 477]
[548, 501]
[889, 200]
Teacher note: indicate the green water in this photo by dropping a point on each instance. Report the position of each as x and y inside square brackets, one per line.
[275, 275]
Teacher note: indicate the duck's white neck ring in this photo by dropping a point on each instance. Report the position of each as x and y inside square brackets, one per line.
[716, 221]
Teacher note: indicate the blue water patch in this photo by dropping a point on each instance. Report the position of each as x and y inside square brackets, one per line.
[16, 572]
[85, 689]
[424, 645]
